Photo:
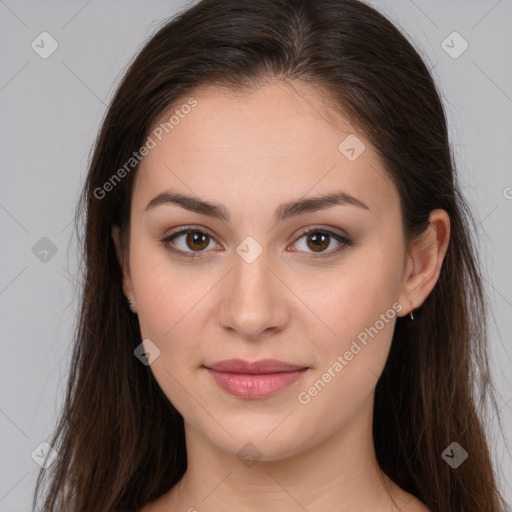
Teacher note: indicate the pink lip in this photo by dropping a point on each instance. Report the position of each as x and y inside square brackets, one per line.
[254, 380]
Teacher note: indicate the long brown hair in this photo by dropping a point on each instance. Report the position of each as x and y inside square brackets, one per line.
[120, 441]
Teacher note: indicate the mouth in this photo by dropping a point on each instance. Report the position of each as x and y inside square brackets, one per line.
[253, 380]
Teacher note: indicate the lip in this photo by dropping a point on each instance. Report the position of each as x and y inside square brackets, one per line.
[253, 380]
[260, 367]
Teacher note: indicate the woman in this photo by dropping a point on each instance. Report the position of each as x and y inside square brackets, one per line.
[282, 307]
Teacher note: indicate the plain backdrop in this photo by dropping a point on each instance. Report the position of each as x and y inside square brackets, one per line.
[51, 109]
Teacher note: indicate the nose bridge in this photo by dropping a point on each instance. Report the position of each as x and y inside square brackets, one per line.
[254, 299]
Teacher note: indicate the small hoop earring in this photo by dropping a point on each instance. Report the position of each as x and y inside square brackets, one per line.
[411, 315]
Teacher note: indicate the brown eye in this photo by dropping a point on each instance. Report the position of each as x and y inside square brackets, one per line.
[196, 240]
[318, 241]
[190, 243]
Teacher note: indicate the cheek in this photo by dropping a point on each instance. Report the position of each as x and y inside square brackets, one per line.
[169, 312]
[354, 295]
[352, 357]
[358, 308]
[355, 349]
[169, 309]
[162, 300]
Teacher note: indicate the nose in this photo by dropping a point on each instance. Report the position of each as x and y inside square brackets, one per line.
[255, 302]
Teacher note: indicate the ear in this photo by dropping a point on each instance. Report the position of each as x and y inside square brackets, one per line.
[424, 262]
[127, 280]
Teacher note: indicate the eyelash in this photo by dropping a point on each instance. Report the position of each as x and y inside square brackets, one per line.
[345, 243]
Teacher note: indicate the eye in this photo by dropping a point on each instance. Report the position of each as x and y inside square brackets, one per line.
[195, 239]
[195, 242]
[317, 240]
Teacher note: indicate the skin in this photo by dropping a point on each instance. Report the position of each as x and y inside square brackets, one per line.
[251, 152]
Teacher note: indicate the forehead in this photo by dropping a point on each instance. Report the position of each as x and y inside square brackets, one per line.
[282, 139]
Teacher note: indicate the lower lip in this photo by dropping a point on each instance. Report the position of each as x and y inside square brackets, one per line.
[255, 386]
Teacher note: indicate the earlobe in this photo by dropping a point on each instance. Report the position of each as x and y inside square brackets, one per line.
[426, 257]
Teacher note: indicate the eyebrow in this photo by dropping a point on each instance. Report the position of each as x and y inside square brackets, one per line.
[283, 212]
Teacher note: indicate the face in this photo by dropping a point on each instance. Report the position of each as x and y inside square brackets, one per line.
[318, 288]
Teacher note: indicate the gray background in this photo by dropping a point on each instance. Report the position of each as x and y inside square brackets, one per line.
[51, 110]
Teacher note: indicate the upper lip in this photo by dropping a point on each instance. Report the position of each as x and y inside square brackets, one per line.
[256, 367]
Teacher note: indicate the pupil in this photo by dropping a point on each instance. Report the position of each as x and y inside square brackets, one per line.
[318, 240]
[196, 239]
